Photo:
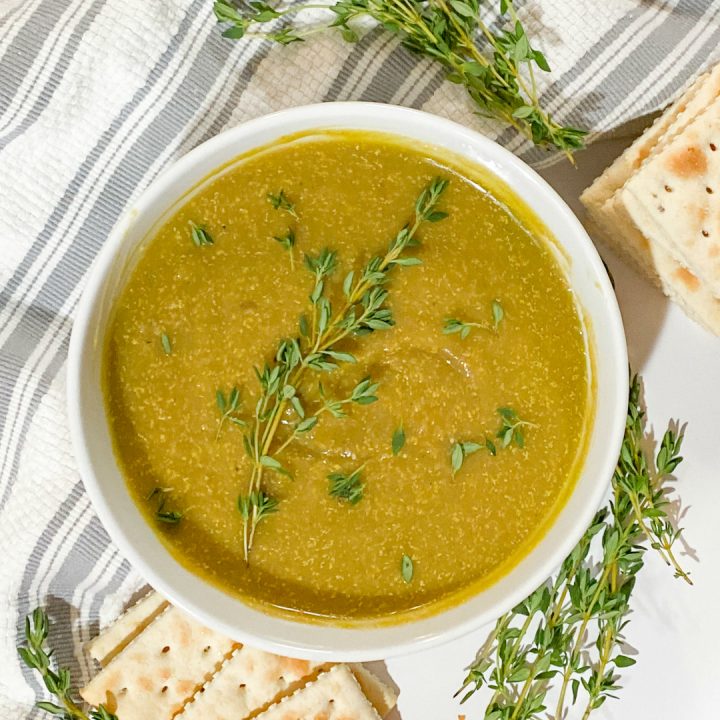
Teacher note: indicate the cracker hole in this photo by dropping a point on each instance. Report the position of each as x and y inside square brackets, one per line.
[661, 209]
[705, 233]
[709, 190]
[123, 691]
[207, 649]
[668, 188]
[713, 147]
[166, 649]
[242, 686]
[163, 689]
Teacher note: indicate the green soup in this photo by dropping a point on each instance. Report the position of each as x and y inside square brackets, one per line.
[453, 492]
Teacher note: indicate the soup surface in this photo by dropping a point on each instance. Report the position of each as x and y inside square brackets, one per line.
[214, 292]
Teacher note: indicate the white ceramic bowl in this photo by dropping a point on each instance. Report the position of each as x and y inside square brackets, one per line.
[136, 539]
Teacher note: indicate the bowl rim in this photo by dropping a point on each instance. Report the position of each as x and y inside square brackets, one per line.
[355, 643]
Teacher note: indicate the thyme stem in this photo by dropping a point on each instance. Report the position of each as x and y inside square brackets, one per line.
[490, 66]
[363, 311]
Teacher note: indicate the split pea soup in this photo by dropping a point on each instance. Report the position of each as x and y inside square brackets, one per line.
[347, 380]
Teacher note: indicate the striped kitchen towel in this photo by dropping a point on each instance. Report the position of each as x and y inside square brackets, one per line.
[96, 98]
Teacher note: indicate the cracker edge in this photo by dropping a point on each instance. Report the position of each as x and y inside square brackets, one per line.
[665, 128]
[348, 677]
[111, 641]
[381, 695]
[658, 266]
[88, 692]
[632, 202]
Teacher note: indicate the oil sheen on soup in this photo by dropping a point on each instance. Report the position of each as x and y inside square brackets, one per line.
[399, 506]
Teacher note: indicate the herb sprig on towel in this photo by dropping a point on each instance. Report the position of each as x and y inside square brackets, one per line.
[497, 68]
[568, 636]
[37, 657]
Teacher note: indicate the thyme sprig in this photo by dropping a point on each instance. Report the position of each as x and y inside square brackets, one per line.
[511, 430]
[287, 241]
[347, 486]
[259, 504]
[229, 407]
[162, 514]
[166, 344]
[496, 68]
[58, 682]
[571, 629]
[364, 310]
[407, 568]
[465, 327]
[281, 201]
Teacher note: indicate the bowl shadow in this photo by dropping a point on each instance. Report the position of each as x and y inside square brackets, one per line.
[643, 307]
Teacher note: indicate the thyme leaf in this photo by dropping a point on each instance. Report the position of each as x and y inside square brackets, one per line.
[460, 450]
[498, 314]
[200, 236]
[407, 569]
[398, 440]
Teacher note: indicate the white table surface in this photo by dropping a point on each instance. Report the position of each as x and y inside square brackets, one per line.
[674, 627]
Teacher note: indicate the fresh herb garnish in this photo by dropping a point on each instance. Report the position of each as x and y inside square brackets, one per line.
[171, 517]
[363, 311]
[362, 394]
[495, 66]
[460, 450]
[407, 568]
[257, 504]
[200, 236]
[454, 325]
[228, 405]
[571, 629]
[498, 313]
[166, 344]
[398, 440]
[162, 514]
[511, 429]
[348, 487]
[37, 657]
[282, 202]
[464, 327]
[288, 242]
